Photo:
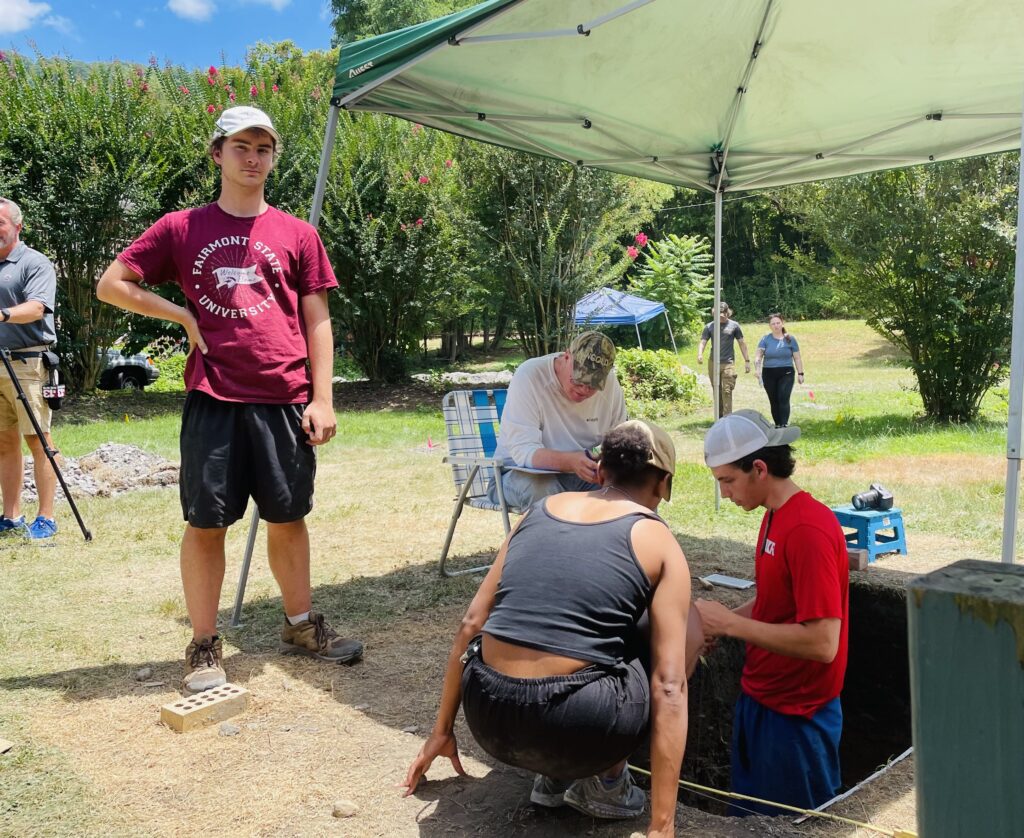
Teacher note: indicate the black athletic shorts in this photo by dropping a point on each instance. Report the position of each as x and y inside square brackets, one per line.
[564, 726]
[231, 451]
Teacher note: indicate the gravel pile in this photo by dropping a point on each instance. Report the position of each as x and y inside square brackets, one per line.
[110, 470]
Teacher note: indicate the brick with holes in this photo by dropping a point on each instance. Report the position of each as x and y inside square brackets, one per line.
[205, 708]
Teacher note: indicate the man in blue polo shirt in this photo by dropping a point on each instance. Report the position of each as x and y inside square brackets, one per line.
[28, 288]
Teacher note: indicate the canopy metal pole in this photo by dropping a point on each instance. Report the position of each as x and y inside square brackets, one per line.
[640, 343]
[716, 332]
[1014, 429]
[325, 163]
[314, 219]
[671, 336]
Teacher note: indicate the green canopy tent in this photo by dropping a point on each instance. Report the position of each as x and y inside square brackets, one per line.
[729, 96]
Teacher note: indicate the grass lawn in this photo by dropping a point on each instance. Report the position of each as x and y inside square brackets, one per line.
[77, 620]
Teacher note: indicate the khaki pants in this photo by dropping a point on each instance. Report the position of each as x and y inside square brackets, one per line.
[726, 384]
[31, 376]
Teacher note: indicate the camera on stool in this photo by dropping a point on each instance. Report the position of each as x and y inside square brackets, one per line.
[876, 497]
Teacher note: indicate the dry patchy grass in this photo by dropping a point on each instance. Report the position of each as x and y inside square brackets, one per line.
[77, 620]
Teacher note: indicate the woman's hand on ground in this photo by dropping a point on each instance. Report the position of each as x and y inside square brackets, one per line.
[438, 745]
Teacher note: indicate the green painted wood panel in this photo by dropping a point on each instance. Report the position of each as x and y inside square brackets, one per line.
[966, 629]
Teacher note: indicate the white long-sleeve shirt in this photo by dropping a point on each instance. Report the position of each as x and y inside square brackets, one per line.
[539, 415]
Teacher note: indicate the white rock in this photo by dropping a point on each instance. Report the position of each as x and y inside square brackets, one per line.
[344, 809]
[143, 674]
[228, 729]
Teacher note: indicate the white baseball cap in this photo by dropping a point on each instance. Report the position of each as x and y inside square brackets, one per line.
[735, 436]
[242, 118]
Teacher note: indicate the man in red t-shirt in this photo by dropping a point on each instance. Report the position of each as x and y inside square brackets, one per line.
[258, 376]
[788, 719]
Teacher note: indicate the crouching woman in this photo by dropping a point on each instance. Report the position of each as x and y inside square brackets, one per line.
[578, 643]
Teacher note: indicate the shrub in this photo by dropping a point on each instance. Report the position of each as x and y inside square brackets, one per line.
[927, 253]
[172, 374]
[655, 382]
[679, 272]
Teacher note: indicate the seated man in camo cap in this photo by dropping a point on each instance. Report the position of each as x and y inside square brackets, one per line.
[558, 408]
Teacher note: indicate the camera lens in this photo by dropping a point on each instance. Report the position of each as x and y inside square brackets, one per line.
[865, 500]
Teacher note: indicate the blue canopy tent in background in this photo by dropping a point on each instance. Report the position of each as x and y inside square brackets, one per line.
[608, 307]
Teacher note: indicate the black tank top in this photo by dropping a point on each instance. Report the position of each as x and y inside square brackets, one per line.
[572, 589]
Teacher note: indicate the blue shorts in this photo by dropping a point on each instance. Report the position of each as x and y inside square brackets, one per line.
[787, 759]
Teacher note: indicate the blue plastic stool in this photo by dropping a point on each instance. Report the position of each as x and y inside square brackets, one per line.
[867, 525]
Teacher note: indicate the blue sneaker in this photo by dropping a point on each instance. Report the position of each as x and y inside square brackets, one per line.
[42, 528]
[12, 526]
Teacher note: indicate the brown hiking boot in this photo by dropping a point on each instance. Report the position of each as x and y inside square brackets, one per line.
[203, 669]
[315, 639]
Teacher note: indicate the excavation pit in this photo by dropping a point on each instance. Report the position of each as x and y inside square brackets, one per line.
[875, 698]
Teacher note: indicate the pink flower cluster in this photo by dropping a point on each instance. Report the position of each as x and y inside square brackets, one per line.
[641, 241]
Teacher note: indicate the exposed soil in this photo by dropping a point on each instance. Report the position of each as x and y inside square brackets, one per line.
[315, 734]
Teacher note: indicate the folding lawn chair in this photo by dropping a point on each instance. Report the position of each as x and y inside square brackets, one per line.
[471, 419]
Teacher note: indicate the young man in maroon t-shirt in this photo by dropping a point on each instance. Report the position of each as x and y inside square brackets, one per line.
[258, 376]
[788, 720]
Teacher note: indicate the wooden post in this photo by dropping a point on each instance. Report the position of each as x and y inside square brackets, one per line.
[966, 629]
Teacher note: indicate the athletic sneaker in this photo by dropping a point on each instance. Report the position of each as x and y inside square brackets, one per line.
[315, 639]
[42, 528]
[592, 797]
[548, 792]
[12, 526]
[203, 665]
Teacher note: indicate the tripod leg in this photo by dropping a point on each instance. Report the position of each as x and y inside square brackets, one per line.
[243, 574]
[5, 355]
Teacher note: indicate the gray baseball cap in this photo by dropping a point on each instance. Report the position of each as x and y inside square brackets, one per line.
[735, 436]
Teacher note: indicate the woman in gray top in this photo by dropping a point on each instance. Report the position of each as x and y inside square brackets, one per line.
[778, 358]
[549, 662]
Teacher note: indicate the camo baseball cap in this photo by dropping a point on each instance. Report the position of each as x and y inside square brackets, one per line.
[592, 357]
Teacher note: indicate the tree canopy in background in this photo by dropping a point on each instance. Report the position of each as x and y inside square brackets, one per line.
[358, 19]
[927, 254]
[552, 233]
[432, 234]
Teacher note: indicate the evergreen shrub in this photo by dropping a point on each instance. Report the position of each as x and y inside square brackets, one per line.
[654, 383]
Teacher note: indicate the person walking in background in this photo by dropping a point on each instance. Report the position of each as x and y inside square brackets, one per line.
[778, 359]
[729, 332]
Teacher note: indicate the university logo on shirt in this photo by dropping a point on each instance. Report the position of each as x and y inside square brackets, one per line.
[229, 277]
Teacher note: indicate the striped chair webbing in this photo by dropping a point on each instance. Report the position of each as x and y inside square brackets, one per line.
[471, 420]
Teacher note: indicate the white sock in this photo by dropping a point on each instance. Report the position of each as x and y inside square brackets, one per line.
[298, 618]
